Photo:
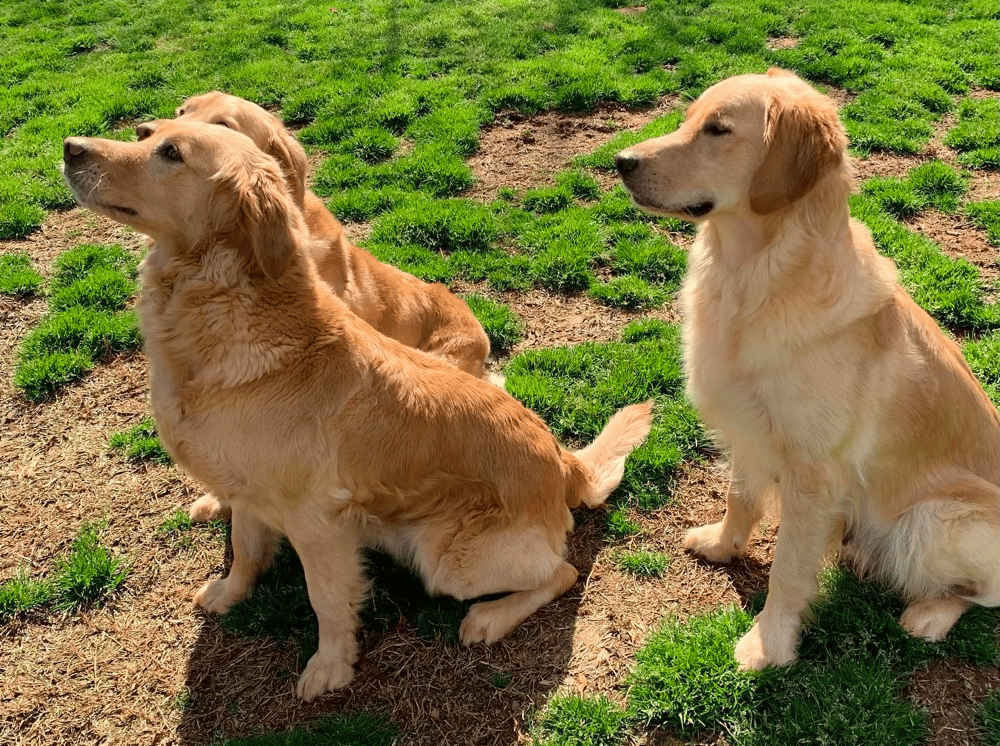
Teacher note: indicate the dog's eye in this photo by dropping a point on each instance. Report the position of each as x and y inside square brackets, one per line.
[716, 130]
[227, 125]
[180, 112]
[171, 153]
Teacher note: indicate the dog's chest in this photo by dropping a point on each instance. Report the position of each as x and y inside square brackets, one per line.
[752, 386]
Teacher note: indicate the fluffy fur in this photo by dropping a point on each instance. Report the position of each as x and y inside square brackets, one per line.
[268, 389]
[419, 314]
[838, 398]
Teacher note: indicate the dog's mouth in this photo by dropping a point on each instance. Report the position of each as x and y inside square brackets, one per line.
[117, 208]
[697, 211]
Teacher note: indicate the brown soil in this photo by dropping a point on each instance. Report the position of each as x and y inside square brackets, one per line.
[148, 668]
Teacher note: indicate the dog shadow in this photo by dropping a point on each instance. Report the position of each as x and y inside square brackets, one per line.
[413, 673]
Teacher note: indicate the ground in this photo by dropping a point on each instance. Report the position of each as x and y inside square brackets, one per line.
[149, 668]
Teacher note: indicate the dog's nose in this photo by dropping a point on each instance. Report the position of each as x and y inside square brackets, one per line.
[74, 147]
[625, 162]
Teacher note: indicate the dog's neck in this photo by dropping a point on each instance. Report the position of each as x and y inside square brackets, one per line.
[805, 256]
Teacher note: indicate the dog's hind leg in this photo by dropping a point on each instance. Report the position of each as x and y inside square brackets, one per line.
[488, 621]
[944, 554]
[254, 546]
[727, 540]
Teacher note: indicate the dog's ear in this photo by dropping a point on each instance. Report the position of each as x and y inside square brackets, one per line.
[284, 148]
[803, 140]
[267, 219]
[144, 130]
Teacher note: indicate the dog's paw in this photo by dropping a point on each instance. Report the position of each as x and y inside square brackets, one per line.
[484, 623]
[206, 508]
[754, 655]
[217, 596]
[931, 618]
[709, 543]
[325, 674]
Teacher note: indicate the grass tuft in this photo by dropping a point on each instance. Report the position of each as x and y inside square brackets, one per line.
[630, 292]
[989, 719]
[22, 594]
[140, 443]
[41, 377]
[361, 729]
[986, 215]
[642, 563]
[569, 720]
[17, 277]
[88, 574]
[501, 324]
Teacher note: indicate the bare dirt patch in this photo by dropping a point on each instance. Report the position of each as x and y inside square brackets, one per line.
[525, 152]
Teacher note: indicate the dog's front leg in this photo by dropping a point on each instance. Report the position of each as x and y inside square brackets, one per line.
[254, 547]
[808, 516]
[727, 540]
[335, 582]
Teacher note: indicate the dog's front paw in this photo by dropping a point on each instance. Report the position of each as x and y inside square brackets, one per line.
[217, 596]
[325, 674]
[206, 508]
[708, 542]
[755, 651]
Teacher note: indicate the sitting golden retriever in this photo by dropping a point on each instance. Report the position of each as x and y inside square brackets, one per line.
[834, 393]
[269, 390]
[419, 314]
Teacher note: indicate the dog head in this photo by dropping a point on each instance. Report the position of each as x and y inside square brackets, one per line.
[190, 185]
[266, 131]
[751, 142]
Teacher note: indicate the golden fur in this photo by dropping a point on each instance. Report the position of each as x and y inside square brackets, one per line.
[838, 398]
[419, 314]
[268, 389]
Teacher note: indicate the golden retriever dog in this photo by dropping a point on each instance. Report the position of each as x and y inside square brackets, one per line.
[838, 398]
[268, 389]
[419, 314]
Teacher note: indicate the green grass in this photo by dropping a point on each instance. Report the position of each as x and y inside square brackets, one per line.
[578, 721]
[22, 594]
[630, 292]
[86, 324]
[983, 356]
[362, 729]
[949, 289]
[17, 277]
[854, 661]
[989, 718]
[977, 134]
[986, 215]
[500, 323]
[932, 184]
[642, 563]
[577, 389]
[140, 443]
[618, 523]
[87, 575]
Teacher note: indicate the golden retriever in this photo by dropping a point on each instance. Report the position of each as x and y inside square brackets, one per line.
[268, 389]
[419, 314]
[837, 397]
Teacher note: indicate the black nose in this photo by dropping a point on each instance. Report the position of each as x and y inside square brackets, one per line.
[74, 147]
[626, 163]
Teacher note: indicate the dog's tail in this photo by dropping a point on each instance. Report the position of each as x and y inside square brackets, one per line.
[597, 469]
